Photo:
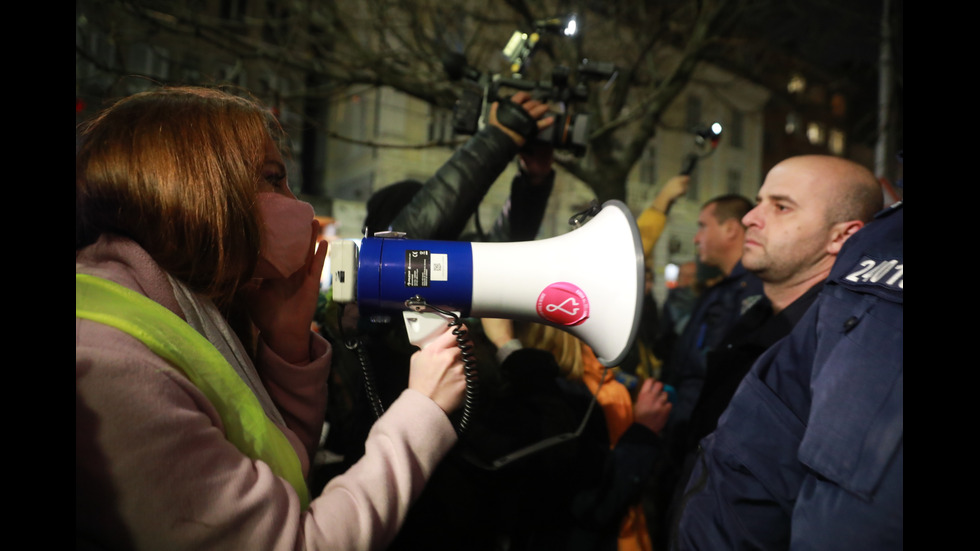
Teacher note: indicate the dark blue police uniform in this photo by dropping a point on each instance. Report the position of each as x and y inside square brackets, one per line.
[810, 452]
[714, 315]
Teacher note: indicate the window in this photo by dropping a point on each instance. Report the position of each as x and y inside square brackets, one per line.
[648, 167]
[796, 84]
[150, 61]
[733, 183]
[792, 123]
[190, 68]
[100, 47]
[736, 129]
[815, 133]
[693, 121]
[838, 105]
[817, 95]
[836, 142]
[440, 126]
[356, 117]
[233, 9]
[693, 111]
[231, 74]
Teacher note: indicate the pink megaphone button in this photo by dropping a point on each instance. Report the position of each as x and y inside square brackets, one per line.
[563, 303]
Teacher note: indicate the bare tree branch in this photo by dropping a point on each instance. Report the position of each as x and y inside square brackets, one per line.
[402, 44]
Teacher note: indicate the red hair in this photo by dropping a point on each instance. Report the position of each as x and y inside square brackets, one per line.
[177, 170]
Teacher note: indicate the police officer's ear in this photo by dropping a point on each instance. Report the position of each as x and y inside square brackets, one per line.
[840, 232]
[733, 229]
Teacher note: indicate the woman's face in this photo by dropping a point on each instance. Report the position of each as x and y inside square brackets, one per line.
[274, 177]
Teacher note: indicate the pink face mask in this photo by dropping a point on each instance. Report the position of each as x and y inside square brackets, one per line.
[286, 235]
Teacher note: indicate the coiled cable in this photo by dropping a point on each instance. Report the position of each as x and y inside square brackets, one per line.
[370, 390]
[469, 362]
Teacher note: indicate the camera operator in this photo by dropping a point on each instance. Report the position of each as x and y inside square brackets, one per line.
[440, 208]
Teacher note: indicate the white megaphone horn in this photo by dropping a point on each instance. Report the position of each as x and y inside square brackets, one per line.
[588, 282]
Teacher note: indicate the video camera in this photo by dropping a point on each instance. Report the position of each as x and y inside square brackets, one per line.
[563, 89]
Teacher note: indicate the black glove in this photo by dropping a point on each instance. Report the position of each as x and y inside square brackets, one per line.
[514, 117]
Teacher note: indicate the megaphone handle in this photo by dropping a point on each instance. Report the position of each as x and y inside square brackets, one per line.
[424, 327]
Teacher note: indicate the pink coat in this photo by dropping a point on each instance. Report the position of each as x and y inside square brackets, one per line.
[153, 469]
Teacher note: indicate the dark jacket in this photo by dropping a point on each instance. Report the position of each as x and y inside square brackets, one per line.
[810, 452]
[713, 317]
[445, 203]
[754, 332]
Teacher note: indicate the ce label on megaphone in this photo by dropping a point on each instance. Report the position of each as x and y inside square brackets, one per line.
[588, 281]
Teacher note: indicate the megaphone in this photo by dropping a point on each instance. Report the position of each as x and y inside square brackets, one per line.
[588, 282]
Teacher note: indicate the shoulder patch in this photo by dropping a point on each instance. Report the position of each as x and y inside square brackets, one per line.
[884, 277]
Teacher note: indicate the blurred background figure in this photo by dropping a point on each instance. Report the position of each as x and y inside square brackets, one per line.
[597, 445]
[677, 309]
[642, 361]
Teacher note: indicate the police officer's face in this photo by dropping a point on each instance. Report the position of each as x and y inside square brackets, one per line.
[687, 274]
[787, 233]
[710, 238]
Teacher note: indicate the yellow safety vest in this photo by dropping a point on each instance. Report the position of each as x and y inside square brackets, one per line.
[246, 424]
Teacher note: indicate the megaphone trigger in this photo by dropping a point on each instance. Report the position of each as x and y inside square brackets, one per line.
[424, 321]
[423, 327]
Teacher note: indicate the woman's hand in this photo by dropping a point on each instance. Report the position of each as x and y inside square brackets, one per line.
[652, 408]
[437, 371]
[282, 308]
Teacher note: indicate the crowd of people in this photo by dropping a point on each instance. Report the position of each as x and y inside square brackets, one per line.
[760, 406]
